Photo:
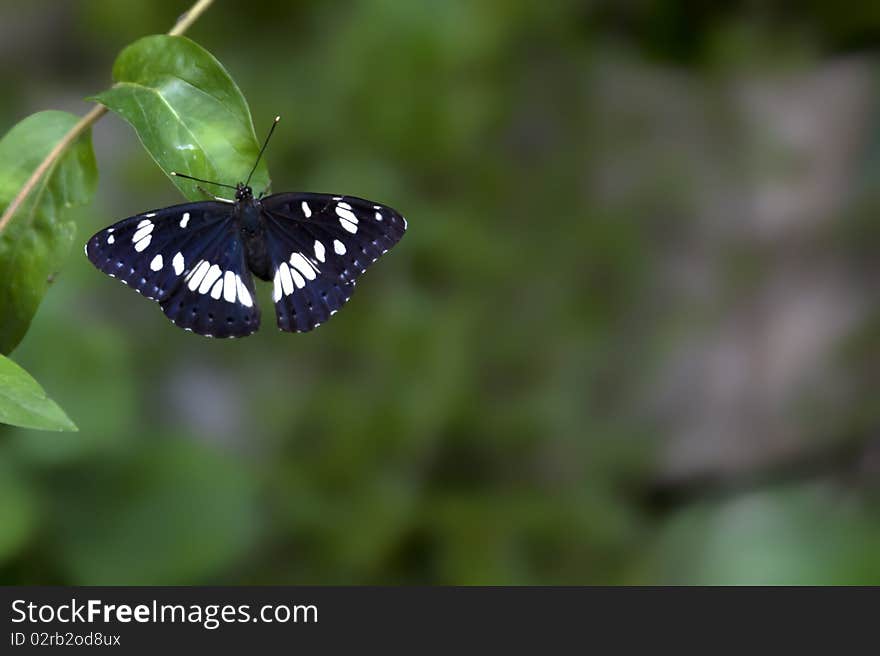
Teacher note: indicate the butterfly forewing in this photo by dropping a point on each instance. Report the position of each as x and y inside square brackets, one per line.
[190, 259]
[318, 246]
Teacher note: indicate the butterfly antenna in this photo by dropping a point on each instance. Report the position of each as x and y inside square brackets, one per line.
[262, 150]
[189, 177]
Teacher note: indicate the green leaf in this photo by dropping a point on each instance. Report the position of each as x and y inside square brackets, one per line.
[24, 403]
[187, 111]
[38, 238]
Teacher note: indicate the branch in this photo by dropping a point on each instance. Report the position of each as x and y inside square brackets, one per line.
[190, 17]
[183, 24]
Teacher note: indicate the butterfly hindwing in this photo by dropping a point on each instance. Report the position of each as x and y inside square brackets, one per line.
[319, 245]
[216, 295]
[190, 259]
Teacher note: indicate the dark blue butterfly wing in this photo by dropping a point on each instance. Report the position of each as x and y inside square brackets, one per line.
[190, 259]
[318, 246]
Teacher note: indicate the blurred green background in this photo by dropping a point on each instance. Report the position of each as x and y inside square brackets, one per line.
[630, 337]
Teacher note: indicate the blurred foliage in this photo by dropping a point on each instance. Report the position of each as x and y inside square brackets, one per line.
[472, 416]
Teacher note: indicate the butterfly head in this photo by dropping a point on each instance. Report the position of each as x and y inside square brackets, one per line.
[248, 211]
[243, 192]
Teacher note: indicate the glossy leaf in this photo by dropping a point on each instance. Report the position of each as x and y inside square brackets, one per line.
[187, 111]
[24, 403]
[38, 238]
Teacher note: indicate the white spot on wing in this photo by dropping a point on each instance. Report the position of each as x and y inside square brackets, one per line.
[378, 216]
[276, 292]
[150, 215]
[350, 227]
[195, 278]
[157, 264]
[303, 265]
[229, 287]
[297, 279]
[213, 273]
[338, 247]
[111, 239]
[217, 289]
[142, 231]
[319, 251]
[243, 294]
[306, 209]
[343, 211]
[184, 220]
[286, 281]
[177, 263]
[144, 223]
[143, 243]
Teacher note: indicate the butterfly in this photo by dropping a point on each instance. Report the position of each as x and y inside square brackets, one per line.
[197, 260]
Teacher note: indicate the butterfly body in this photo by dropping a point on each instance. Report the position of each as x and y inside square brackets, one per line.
[196, 259]
[249, 216]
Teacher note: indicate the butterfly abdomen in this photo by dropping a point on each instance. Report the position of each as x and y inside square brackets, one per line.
[257, 255]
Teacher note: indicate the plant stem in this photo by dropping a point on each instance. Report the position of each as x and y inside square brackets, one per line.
[190, 17]
[82, 125]
[183, 24]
